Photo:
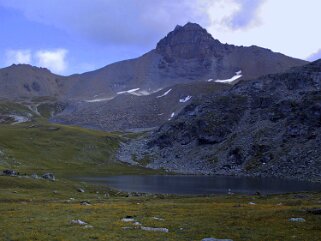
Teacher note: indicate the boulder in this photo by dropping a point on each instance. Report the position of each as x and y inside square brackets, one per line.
[49, 176]
[10, 173]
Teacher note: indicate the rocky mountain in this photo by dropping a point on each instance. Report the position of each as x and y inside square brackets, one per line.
[268, 126]
[185, 55]
[123, 95]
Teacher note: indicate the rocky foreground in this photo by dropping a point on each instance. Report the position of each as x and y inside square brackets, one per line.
[269, 126]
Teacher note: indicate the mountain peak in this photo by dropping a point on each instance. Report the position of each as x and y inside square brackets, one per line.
[188, 41]
[27, 67]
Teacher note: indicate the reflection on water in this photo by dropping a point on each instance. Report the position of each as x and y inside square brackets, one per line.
[197, 185]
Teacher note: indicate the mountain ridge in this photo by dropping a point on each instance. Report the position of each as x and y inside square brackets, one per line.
[187, 54]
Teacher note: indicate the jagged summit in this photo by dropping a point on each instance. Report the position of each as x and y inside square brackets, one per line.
[188, 41]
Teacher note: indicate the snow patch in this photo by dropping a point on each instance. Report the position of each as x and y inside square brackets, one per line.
[128, 91]
[99, 100]
[237, 75]
[172, 115]
[166, 93]
[19, 119]
[210, 80]
[187, 98]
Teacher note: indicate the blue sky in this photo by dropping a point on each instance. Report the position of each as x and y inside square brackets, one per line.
[75, 36]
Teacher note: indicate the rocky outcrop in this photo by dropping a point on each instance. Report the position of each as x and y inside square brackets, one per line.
[270, 126]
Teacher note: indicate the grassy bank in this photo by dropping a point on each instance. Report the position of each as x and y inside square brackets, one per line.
[43, 210]
[39, 147]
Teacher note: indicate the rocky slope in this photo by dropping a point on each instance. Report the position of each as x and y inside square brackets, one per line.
[132, 112]
[269, 126]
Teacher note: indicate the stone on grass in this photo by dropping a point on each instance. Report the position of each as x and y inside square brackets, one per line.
[80, 190]
[85, 203]
[35, 176]
[316, 211]
[78, 221]
[299, 220]
[128, 219]
[163, 230]
[88, 226]
[49, 176]
[11, 173]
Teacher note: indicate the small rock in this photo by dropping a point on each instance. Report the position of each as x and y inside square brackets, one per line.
[35, 176]
[11, 173]
[252, 203]
[85, 203]
[316, 211]
[88, 226]
[300, 220]
[215, 239]
[157, 218]
[128, 219]
[55, 192]
[80, 190]
[163, 230]
[49, 176]
[78, 221]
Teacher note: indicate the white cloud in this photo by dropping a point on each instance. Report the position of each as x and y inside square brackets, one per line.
[55, 60]
[18, 56]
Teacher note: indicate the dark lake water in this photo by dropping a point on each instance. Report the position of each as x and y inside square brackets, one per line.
[199, 185]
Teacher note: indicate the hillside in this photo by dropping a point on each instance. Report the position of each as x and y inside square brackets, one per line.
[269, 126]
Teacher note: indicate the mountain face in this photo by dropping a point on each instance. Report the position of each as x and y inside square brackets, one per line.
[268, 126]
[185, 55]
[123, 95]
